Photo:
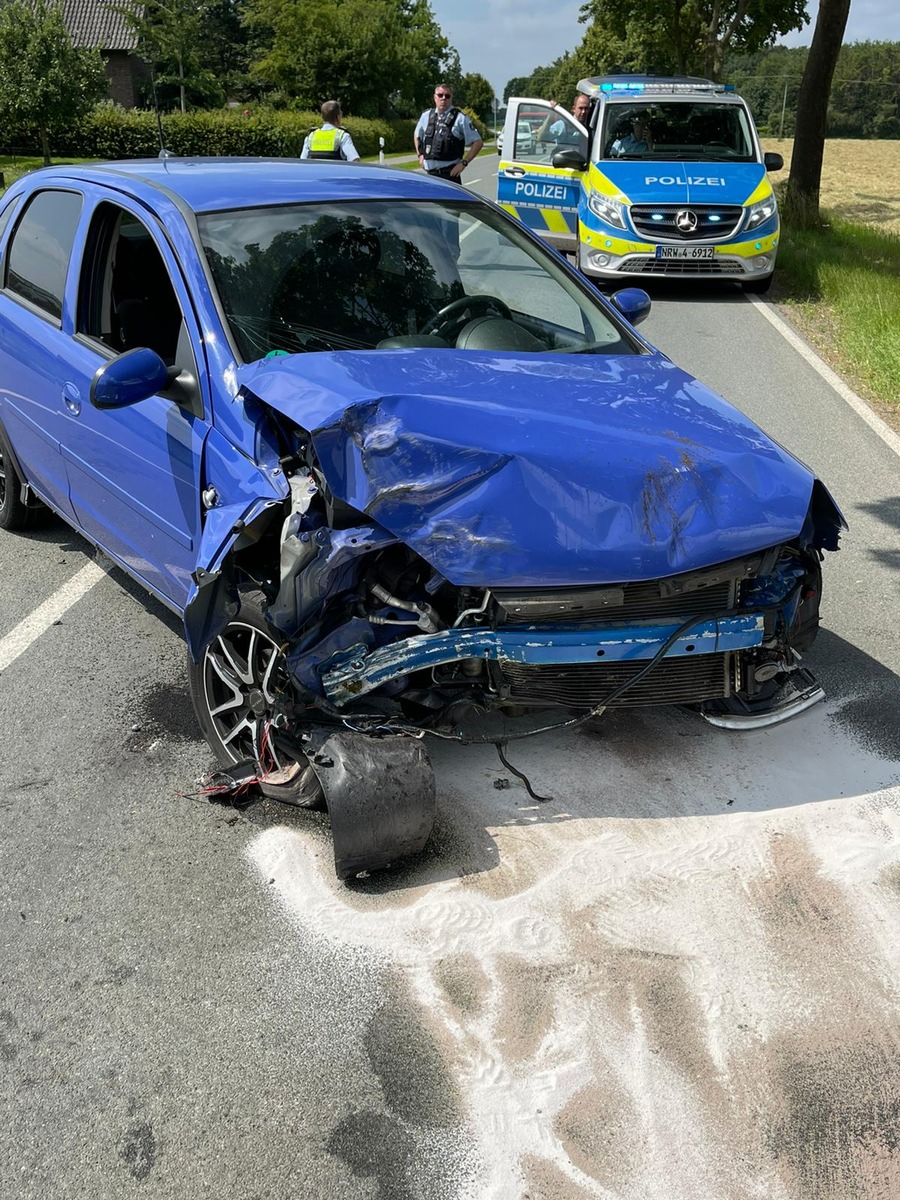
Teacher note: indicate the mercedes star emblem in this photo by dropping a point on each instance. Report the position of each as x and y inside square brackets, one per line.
[686, 221]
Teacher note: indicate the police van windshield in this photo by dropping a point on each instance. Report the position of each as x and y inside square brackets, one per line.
[401, 274]
[699, 131]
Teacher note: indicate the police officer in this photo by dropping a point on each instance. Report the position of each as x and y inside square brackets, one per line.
[561, 131]
[446, 141]
[330, 141]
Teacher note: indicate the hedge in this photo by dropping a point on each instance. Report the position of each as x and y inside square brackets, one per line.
[114, 132]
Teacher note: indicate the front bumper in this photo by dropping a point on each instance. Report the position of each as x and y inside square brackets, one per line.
[601, 256]
[353, 672]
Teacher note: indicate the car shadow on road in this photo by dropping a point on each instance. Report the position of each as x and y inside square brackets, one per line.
[54, 532]
[720, 291]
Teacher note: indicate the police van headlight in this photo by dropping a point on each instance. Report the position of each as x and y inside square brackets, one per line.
[610, 211]
[761, 212]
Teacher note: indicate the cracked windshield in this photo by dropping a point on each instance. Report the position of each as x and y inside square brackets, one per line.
[396, 275]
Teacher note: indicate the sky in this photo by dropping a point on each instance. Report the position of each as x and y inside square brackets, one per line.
[503, 38]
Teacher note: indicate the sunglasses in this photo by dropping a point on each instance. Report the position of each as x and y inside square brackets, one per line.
[443, 95]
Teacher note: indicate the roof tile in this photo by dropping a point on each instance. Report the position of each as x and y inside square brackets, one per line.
[95, 23]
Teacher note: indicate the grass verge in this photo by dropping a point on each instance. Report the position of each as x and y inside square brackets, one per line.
[15, 165]
[840, 285]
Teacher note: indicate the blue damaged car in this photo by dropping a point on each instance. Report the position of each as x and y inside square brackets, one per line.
[398, 466]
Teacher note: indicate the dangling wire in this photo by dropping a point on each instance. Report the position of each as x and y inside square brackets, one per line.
[519, 774]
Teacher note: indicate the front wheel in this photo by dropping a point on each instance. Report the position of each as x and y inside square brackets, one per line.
[238, 688]
[758, 287]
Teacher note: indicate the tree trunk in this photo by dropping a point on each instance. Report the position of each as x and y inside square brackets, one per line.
[801, 203]
[711, 34]
[181, 81]
[45, 146]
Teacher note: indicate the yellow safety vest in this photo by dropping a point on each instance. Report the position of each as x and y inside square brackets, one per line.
[326, 143]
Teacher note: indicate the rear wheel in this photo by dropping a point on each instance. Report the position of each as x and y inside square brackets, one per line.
[238, 688]
[14, 513]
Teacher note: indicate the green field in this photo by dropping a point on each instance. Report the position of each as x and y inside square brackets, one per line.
[840, 284]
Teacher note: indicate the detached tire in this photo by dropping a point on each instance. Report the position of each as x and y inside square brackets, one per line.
[234, 690]
[14, 513]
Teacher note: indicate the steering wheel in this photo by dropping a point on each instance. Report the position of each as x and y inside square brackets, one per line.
[464, 309]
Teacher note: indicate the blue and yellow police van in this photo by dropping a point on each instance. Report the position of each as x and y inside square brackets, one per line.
[665, 177]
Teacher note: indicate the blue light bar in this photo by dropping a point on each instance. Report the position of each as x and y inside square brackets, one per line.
[625, 86]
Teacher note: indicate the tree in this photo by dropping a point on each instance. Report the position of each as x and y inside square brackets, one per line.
[375, 56]
[475, 92]
[428, 58]
[541, 83]
[45, 82]
[172, 35]
[224, 49]
[685, 36]
[801, 201]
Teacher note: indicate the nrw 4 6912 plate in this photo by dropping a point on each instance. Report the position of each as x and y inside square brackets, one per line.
[693, 252]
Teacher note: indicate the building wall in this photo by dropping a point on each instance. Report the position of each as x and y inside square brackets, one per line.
[124, 71]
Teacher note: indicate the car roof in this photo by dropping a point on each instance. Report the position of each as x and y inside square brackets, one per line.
[213, 184]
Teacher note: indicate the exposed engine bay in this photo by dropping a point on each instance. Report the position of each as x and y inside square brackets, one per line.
[341, 647]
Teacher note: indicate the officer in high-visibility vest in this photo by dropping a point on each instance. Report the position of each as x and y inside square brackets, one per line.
[331, 141]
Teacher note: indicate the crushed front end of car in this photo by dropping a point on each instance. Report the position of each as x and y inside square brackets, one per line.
[578, 546]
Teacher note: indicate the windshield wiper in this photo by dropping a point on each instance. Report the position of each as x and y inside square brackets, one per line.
[616, 347]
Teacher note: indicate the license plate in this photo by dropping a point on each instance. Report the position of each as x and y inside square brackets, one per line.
[691, 252]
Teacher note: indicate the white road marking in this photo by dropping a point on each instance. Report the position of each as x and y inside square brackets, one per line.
[18, 640]
[858, 405]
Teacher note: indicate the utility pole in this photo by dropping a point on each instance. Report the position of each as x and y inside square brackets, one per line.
[783, 107]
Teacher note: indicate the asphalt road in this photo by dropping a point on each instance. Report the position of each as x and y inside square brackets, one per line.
[190, 1007]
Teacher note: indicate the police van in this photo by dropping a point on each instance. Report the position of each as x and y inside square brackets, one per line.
[666, 178]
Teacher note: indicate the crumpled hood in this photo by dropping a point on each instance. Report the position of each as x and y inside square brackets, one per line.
[513, 471]
[656, 182]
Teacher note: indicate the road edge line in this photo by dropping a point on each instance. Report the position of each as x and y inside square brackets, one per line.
[28, 630]
[859, 406]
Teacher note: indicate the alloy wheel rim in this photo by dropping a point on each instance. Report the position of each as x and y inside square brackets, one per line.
[243, 676]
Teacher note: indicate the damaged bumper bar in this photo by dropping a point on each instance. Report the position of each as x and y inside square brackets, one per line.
[356, 671]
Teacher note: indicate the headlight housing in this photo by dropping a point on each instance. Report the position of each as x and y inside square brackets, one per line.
[608, 210]
[761, 212]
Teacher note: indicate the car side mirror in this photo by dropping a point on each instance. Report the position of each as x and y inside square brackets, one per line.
[633, 304]
[571, 157]
[129, 378]
[773, 161]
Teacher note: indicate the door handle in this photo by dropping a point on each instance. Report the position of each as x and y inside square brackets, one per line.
[514, 171]
[72, 398]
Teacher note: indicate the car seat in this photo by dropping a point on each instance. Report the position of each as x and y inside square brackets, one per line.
[144, 307]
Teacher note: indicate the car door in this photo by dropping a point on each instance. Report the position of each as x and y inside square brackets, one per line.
[33, 342]
[543, 197]
[135, 472]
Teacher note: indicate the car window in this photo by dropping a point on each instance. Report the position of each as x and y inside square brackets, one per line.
[126, 296]
[696, 132]
[40, 248]
[543, 130]
[7, 213]
[372, 274]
